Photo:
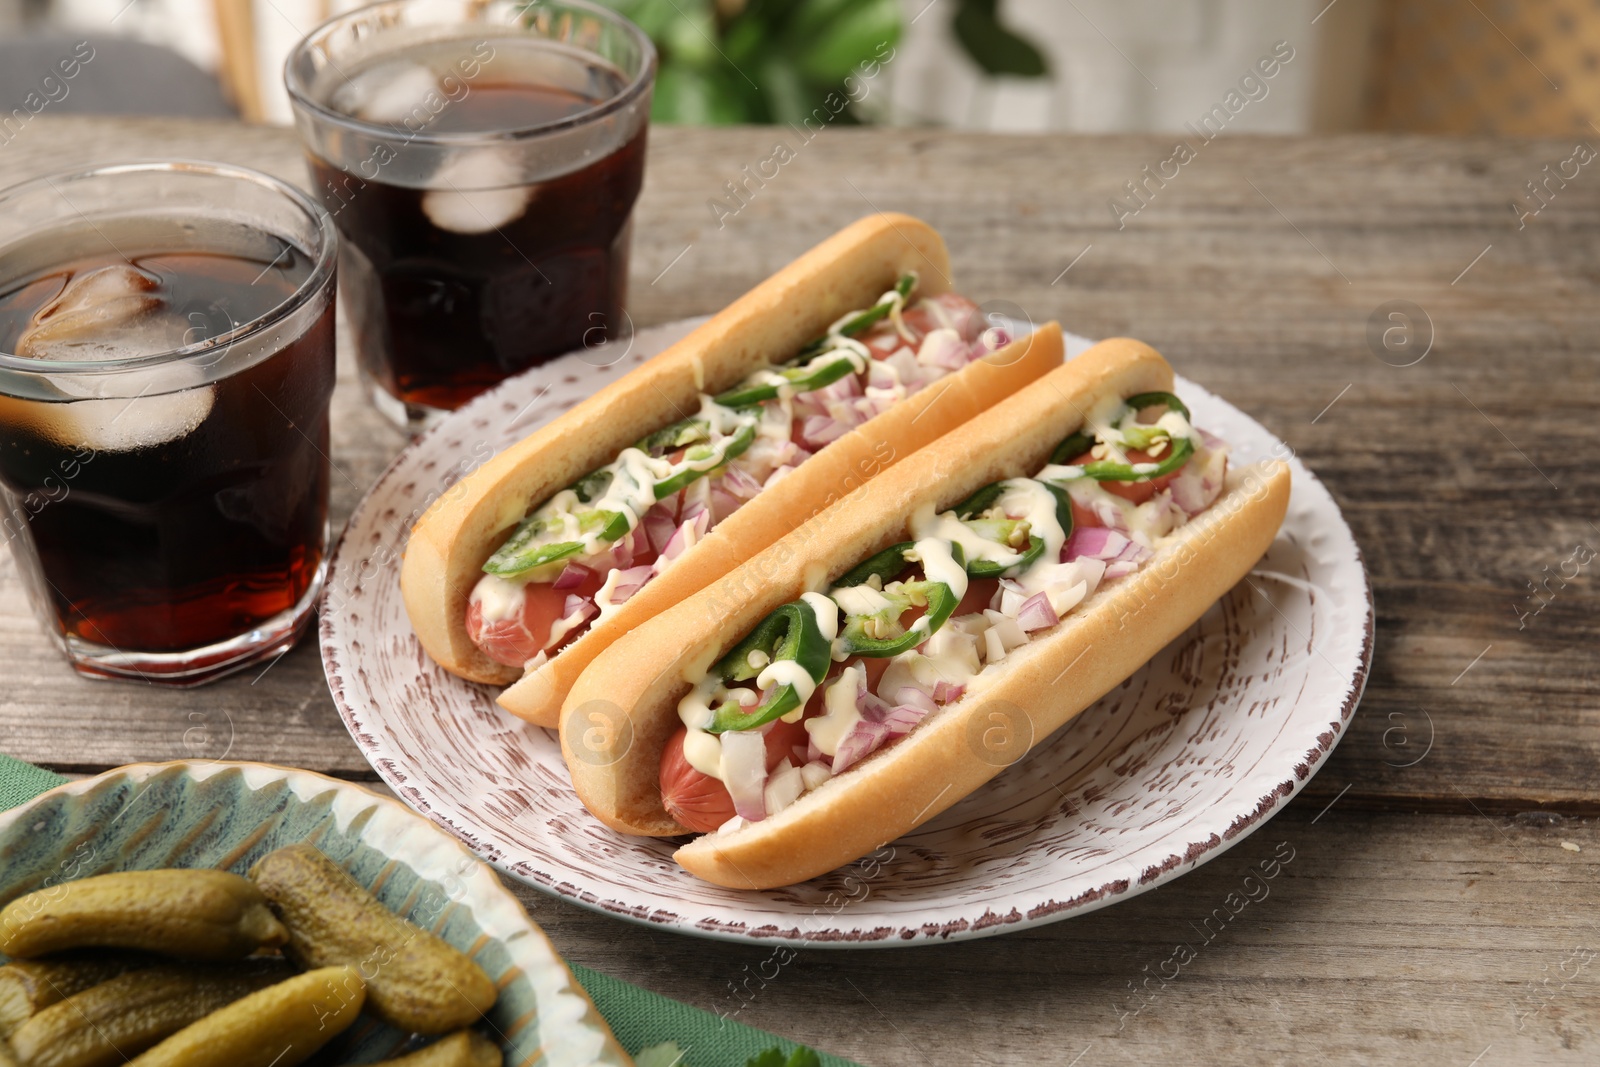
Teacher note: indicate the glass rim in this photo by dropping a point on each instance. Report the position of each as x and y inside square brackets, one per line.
[300, 96]
[323, 258]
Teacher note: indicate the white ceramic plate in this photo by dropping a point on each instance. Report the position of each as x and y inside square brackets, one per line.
[1175, 766]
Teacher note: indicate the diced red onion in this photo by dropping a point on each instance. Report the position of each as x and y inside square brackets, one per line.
[915, 698]
[943, 349]
[1037, 614]
[723, 503]
[842, 389]
[881, 403]
[872, 707]
[783, 788]
[815, 773]
[574, 613]
[738, 483]
[1011, 597]
[946, 692]
[744, 765]
[813, 753]
[625, 551]
[659, 525]
[818, 430]
[1111, 546]
[630, 582]
[692, 528]
[863, 739]
[905, 364]
[1199, 483]
[881, 376]
[991, 340]
[572, 576]
[850, 412]
[903, 719]
[1088, 541]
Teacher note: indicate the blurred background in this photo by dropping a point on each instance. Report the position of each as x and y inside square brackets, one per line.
[1450, 66]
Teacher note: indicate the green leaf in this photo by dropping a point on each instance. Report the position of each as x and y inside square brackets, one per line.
[992, 46]
[774, 1057]
[786, 98]
[692, 38]
[694, 97]
[836, 48]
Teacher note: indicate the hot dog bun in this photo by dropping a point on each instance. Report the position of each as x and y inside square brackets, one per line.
[618, 717]
[449, 544]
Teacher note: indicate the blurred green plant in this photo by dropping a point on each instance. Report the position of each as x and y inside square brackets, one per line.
[776, 61]
[731, 61]
[992, 46]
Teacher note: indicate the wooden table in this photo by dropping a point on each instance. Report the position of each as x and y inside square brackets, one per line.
[1442, 903]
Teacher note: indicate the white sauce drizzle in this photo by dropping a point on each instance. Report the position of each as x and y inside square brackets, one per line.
[841, 715]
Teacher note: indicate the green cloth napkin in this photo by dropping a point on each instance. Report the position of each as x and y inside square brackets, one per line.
[637, 1016]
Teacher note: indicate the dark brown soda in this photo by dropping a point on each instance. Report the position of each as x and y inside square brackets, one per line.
[440, 316]
[194, 540]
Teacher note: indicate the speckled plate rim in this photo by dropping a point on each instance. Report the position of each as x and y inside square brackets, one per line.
[389, 766]
[497, 913]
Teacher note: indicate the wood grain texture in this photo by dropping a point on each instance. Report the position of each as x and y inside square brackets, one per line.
[1262, 291]
[1390, 936]
[1386, 938]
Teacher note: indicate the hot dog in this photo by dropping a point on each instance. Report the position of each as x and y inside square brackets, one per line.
[813, 382]
[977, 596]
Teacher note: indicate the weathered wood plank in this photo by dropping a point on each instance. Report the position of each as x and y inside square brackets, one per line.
[1263, 292]
[1386, 938]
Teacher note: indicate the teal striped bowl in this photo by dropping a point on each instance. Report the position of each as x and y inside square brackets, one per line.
[228, 815]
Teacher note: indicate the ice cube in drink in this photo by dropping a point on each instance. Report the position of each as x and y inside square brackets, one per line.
[166, 504]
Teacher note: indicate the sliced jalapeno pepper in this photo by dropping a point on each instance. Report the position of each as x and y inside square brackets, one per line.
[670, 438]
[861, 320]
[731, 448]
[886, 566]
[525, 551]
[1139, 437]
[800, 379]
[941, 601]
[594, 483]
[1000, 530]
[1076, 445]
[1107, 471]
[789, 633]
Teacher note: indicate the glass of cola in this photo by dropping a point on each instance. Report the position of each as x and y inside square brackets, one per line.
[166, 362]
[481, 159]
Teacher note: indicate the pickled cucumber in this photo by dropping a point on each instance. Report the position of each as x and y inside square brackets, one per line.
[30, 986]
[465, 1048]
[192, 914]
[278, 1026]
[415, 981]
[104, 1025]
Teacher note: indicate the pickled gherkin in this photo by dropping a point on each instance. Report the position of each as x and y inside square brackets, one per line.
[29, 986]
[465, 1048]
[191, 914]
[107, 1023]
[415, 981]
[278, 1026]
